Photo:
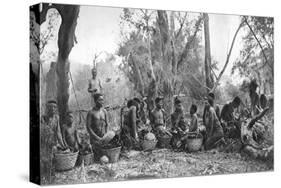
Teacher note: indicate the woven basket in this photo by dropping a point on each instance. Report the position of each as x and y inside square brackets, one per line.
[88, 159]
[194, 144]
[112, 154]
[148, 144]
[65, 161]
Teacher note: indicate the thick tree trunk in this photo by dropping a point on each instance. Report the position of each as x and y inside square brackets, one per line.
[66, 38]
[209, 80]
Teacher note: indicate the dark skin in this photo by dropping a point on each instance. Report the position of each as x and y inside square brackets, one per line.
[70, 134]
[157, 115]
[96, 122]
[51, 114]
[94, 84]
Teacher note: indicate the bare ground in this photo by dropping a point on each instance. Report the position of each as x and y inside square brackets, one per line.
[162, 163]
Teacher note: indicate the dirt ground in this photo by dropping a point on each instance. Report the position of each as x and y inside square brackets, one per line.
[162, 163]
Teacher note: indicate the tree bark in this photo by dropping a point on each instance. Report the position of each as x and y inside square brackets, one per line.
[66, 38]
[209, 80]
[165, 38]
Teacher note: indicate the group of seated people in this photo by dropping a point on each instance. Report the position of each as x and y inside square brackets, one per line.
[137, 120]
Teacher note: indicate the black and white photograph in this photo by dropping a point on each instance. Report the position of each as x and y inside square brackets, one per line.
[120, 93]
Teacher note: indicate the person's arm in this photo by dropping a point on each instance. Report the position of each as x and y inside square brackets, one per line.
[106, 120]
[90, 87]
[100, 86]
[211, 123]
[133, 117]
[59, 136]
[204, 113]
[89, 129]
[77, 138]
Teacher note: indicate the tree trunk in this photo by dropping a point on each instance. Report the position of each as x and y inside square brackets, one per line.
[165, 38]
[209, 80]
[66, 38]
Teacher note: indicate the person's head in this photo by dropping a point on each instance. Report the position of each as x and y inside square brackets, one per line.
[94, 72]
[69, 118]
[98, 97]
[51, 107]
[138, 101]
[131, 103]
[193, 109]
[178, 105]
[236, 102]
[211, 96]
[159, 102]
[53, 65]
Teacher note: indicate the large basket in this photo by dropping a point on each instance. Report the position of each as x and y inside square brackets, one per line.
[65, 161]
[194, 144]
[88, 159]
[112, 154]
[164, 142]
[148, 144]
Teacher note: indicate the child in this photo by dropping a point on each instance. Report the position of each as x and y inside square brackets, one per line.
[193, 127]
[70, 134]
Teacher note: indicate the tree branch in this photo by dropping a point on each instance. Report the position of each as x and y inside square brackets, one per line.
[188, 44]
[245, 19]
[228, 57]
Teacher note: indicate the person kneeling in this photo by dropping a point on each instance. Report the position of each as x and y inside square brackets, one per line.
[179, 126]
[214, 132]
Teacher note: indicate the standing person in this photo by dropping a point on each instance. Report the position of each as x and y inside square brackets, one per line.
[214, 131]
[97, 124]
[94, 86]
[230, 122]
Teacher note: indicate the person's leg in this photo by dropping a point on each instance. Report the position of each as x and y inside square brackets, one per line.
[210, 143]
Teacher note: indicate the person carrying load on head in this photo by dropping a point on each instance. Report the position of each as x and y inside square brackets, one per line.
[94, 86]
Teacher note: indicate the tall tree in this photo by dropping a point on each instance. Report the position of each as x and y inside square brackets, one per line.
[208, 74]
[66, 39]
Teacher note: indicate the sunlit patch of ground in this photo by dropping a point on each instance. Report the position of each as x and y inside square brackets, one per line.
[162, 163]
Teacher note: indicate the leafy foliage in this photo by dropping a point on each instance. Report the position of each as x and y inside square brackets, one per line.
[255, 61]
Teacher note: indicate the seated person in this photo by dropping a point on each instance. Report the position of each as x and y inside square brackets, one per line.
[214, 132]
[157, 119]
[179, 125]
[51, 133]
[211, 96]
[71, 138]
[129, 132]
[193, 126]
[97, 125]
[230, 123]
